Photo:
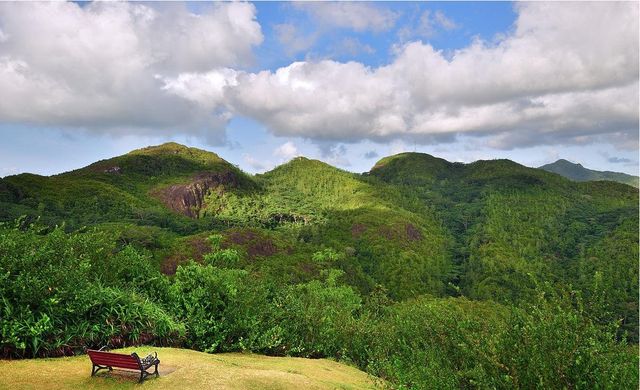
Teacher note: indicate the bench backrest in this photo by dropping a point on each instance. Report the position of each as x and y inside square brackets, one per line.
[114, 359]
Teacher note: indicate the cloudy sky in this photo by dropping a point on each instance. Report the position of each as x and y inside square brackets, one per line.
[347, 83]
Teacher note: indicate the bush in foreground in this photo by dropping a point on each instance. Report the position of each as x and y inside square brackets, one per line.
[62, 292]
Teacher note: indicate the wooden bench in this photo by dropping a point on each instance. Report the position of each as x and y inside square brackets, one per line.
[103, 360]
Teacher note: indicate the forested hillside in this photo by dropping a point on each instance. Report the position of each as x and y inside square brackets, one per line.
[427, 273]
[515, 226]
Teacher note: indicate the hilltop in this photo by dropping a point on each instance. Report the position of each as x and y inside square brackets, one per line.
[577, 172]
[165, 182]
[418, 260]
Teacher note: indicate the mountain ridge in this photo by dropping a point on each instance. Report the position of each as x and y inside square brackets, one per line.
[416, 201]
[577, 172]
[199, 160]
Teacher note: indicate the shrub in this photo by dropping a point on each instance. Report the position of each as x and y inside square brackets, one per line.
[317, 315]
[61, 292]
[221, 308]
[554, 343]
[431, 343]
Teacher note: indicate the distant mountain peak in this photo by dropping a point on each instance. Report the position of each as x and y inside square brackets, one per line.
[577, 172]
[562, 161]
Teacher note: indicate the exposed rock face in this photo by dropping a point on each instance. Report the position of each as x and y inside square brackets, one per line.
[114, 169]
[188, 199]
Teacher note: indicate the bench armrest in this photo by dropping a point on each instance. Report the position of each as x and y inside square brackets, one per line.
[149, 360]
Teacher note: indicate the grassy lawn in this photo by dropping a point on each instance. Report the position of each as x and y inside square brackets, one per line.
[186, 369]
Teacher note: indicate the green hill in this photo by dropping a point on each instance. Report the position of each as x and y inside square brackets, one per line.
[577, 172]
[159, 186]
[418, 260]
[514, 226]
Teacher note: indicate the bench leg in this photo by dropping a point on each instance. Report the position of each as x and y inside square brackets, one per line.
[144, 373]
[96, 368]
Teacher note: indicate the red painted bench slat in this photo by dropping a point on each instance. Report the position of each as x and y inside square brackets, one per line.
[108, 363]
[116, 361]
[125, 359]
[101, 354]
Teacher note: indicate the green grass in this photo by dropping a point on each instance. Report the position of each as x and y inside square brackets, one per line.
[186, 369]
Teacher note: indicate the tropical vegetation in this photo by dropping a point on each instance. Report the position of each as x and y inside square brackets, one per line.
[425, 273]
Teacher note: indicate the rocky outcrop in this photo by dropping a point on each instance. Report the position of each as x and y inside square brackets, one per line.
[188, 199]
[115, 169]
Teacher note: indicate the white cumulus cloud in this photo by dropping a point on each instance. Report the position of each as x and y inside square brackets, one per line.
[107, 65]
[256, 164]
[567, 73]
[286, 151]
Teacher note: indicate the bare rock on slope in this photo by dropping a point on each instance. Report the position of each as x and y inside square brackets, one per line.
[188, 199]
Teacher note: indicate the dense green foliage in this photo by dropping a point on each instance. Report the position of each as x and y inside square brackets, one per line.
[63, 292]
[515, 227]
[427, 273]
[552, 342]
